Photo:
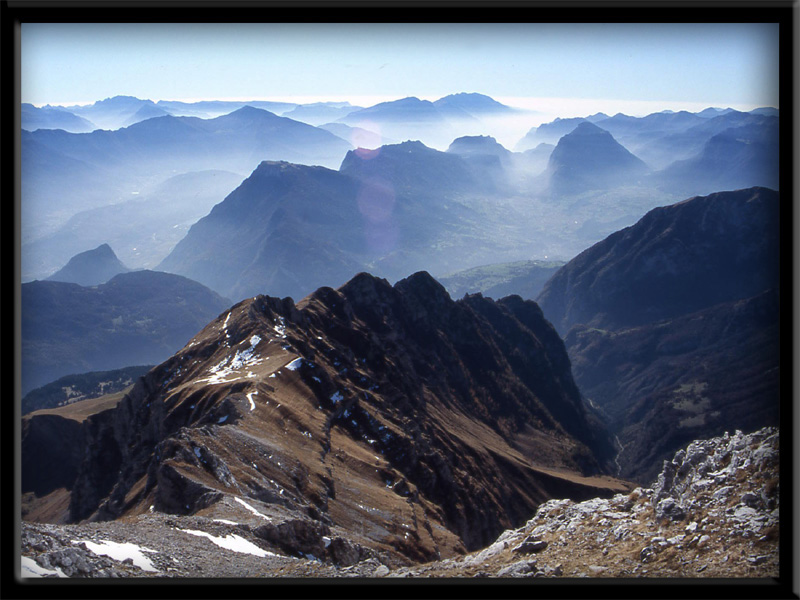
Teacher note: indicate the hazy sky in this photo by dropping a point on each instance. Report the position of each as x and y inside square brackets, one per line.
[650, 66]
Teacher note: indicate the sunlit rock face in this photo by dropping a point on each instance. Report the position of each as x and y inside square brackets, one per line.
[391, 416]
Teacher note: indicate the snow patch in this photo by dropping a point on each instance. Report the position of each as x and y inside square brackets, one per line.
[295, 364]
[225, 521]
[251, 509]
[250, 398]
[231, 542]
[242, 358]
[30, 568]
[337, 397]
[120, 552]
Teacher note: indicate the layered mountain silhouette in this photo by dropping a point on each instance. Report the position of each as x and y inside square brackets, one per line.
[319, 113]
[388, 419]
[550, 133]
[143, 229]
[738, 157]
[589, 158]
[291, 228]
[119, 111]
[92, 267]
[672, 324]
[434, 123]
[101, 168]
[52, 117]
[136, 318]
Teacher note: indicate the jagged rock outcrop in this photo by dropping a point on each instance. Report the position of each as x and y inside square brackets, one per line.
[418, 425]
[713, 512]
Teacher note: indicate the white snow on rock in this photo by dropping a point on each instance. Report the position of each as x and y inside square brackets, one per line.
[225, 521]
[243, 358]
[30, 568]
[251, 509]
[232, 542]
[121, 551]
[295, 364]
[337, 397]
[250, 398]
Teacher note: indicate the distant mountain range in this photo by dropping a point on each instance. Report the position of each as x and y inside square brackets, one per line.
[96, 169]
[136, 318]
[289, 227]
[142, 229]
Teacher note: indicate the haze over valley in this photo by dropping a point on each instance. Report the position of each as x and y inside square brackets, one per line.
[465, 329]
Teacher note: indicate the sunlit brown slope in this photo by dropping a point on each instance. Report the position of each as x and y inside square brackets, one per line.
[390, 418]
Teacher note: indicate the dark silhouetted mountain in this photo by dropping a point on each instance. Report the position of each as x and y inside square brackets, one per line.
[92, 267]
[589, 158]
[363, 420]
[84, 386]
[136, 318]
[676, 260]
[48, 117]
[524, 278]
[700, 374]
[737, 158]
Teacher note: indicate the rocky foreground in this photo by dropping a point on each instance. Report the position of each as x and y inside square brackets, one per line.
[713, 512]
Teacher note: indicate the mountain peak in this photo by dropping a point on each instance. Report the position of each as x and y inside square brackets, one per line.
[588, 128]
[92, 267]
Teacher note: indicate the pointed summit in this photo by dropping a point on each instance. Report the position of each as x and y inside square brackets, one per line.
[589, 158]
[92, 267]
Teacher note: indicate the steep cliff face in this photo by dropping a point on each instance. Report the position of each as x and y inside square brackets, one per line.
[418, 425]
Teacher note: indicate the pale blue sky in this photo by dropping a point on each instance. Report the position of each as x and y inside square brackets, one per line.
[669, 65]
